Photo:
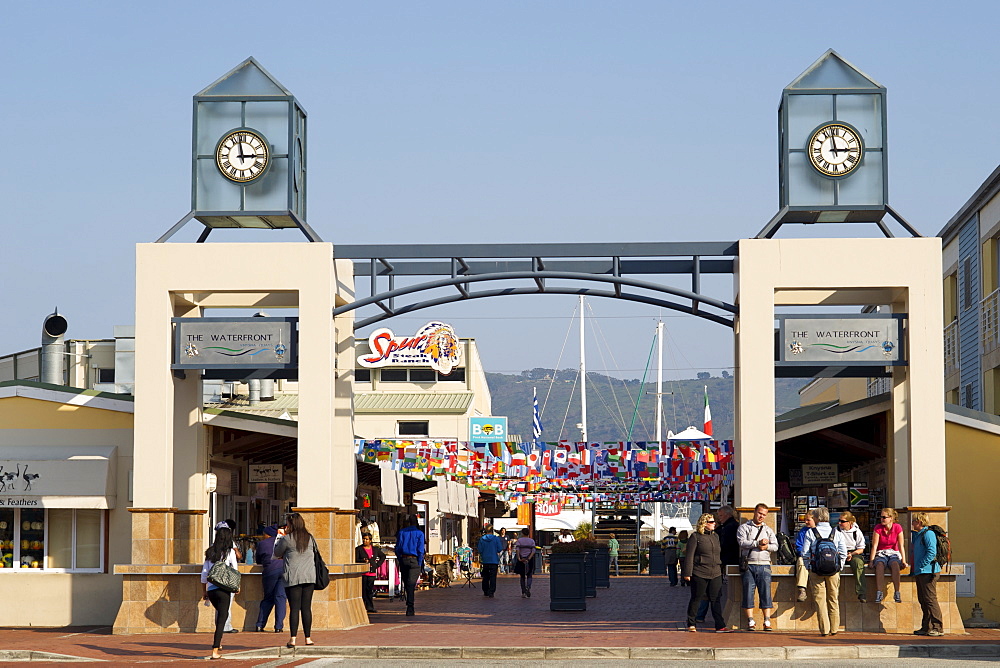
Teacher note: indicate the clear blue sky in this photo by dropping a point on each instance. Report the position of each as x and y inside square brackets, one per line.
[467, 122]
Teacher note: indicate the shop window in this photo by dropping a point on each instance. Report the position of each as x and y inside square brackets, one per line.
[422, 375]
[417, 428]
[362, 375]
[392, 375]
[56, 539]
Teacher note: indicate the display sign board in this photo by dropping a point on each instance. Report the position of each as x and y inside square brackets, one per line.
[487, 429]
[434, 345]
[860, 339]
[265, 473]
[58, 477]
[235, 343]
[819, 474]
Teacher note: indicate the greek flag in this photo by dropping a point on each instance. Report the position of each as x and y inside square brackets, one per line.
[536, 424]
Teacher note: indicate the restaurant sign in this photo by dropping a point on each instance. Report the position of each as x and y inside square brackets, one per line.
[859, 339]
[265, 473]
[235, 343]
[434, 345]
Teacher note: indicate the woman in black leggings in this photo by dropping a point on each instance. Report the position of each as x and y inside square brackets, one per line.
[298, 549]
[220, 550]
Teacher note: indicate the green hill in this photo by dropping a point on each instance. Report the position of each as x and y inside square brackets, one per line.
[611, 402]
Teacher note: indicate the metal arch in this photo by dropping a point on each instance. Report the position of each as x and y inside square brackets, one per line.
[627, 296]
[462, 282]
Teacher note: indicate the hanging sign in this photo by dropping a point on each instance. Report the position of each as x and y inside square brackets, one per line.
[434, 345]
[487, 429]
[234, 343]
[859, 339]
[265, 473]
[819, 474]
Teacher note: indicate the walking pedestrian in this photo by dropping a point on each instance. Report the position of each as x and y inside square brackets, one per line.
[757, 541]
[489, 548]
[221, 549]
[682, 541]
[298, 549]
[824, 582]
[670, 554]
[923, 550]
[410, 559]
[368, 553]
[504, 565]
[801, 572]
[703, 569]
[855, 540]
[887, 550]
[524, 552]
[232, 597]
[613, 553]
[272, 581]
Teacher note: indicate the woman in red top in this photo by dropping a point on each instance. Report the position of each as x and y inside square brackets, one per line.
[887, 550]
[370, 554]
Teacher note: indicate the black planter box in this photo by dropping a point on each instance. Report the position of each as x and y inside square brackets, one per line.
[567, 587]
[590, 573]
[657, 563]
[602, 563]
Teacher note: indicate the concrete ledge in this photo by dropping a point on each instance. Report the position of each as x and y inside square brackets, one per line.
[832, 652]
[521, 653]
[586, 653]
[19, 655]
[749, 653]
[404, 652]
[892, 651]
[946, 651]
[672, 653]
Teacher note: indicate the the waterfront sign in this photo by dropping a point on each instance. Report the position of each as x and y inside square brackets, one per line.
[841, 340]
[235, 343]
[434, 345]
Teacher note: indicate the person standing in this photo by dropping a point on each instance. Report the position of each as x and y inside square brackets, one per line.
[410, 559]
[727, 527]
[221, 549]
[801, 572]
[613, 553]
[298, 549]
[682, 541]
[825, 588]
[232, 597]
[524, 552]
[368, 553]
[565, 536]
[703, 569]
[670, 554]
[757, 541]
[887, 550]
[855, 539]
[926, 571]
[489, 547]
[272, 581]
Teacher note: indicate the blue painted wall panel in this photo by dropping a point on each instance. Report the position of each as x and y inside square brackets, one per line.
[968, 317]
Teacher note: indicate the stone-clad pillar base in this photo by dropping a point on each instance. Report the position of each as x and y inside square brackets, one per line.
[339, 606]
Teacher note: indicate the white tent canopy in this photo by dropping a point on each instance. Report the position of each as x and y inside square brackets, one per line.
[690, 434]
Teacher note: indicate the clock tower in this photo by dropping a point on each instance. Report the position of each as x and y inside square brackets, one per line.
[832, 148]
[248, 156]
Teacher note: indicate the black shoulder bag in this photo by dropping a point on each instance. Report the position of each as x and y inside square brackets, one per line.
[745, 557]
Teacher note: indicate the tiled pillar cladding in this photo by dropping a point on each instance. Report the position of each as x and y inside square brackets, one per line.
[152, 535]
[338, 606]
[188, 547]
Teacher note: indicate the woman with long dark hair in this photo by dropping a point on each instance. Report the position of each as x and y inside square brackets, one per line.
[221, 549]
[298, 549]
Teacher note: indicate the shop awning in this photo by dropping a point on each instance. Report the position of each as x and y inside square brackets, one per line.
[57, 476]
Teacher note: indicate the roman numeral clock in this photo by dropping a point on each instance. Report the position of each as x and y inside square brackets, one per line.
[248, 161]
[832, 164]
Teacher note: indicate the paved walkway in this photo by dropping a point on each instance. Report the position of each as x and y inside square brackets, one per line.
[636, 613]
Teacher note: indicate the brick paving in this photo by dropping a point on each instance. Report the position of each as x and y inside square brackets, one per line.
[637, 611]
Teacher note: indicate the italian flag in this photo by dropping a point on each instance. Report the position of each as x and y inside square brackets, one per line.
[708, 415]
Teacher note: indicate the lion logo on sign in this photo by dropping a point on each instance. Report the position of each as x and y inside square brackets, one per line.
[442, 347]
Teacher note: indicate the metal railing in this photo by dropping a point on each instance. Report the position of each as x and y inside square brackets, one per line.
[990, 307]
[951, 347]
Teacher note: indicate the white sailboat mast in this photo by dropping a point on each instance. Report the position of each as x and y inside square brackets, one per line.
[583, 379]
[659, 382]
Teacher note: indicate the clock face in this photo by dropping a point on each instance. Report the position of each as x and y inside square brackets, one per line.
[242, 155]
[835, 149]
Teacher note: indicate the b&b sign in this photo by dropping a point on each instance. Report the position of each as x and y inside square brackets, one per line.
[487, 429]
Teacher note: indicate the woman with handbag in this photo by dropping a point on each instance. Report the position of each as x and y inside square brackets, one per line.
[298, 549]
[371, 554]
[703, 569]
[219, 555]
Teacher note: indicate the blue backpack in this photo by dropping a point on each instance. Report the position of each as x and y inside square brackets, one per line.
[825, 559]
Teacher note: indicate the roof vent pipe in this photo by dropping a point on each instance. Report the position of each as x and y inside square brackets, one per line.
[267, 389]
[54, 349]
[262, 389]
[254, 384]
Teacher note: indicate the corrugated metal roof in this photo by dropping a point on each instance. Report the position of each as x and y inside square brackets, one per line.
[412, 402]
[282, 404]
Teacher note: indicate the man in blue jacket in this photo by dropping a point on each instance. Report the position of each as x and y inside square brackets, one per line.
[923, 553]
[489, 548]
[410, 558]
